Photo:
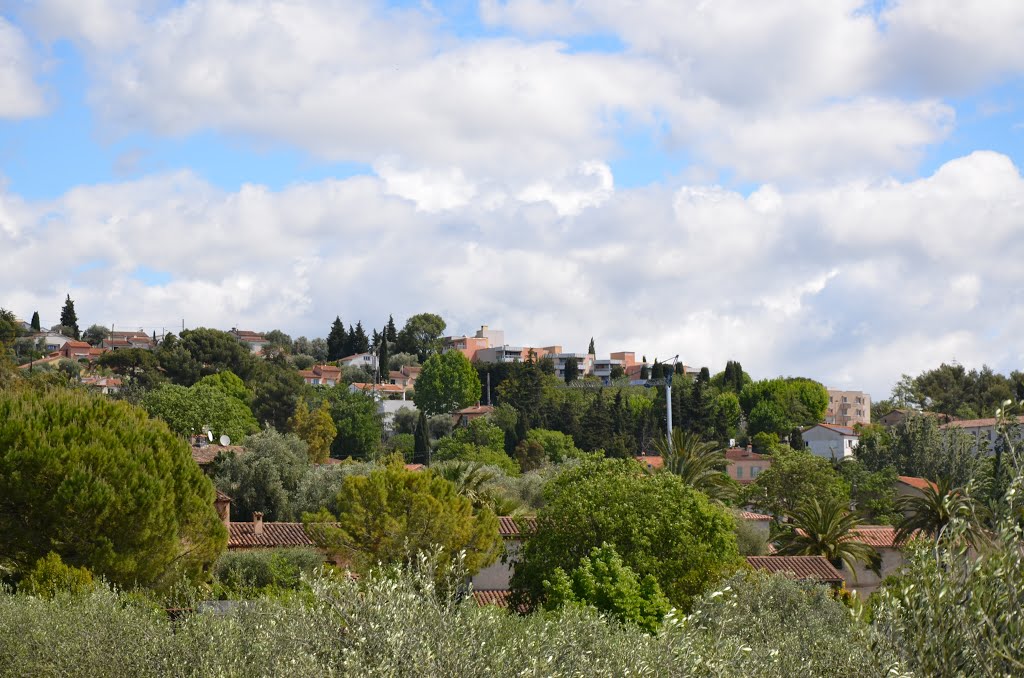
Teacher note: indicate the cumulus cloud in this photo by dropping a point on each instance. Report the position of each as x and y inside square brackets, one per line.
[851, 284]
[20, 96]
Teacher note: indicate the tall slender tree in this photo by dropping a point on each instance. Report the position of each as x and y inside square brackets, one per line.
[391, 332]
[337, 340]
[421, 448]
[35, 322]
[572, 370]
[383, 358]
[69, 319]
[590, 349]
[360, 342]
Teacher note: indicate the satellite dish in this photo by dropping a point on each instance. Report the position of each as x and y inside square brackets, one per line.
[209, 434]
[225, 441]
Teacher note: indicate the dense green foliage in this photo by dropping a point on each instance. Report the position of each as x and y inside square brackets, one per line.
[447, 383]
[392, 514]
[920, 447]
[104, 487]
[603, 582]
[420, 335]
[826, 529]
[952, 389]
[316, 428]
[257, 570]
[188, 410]
[658, 525]
[793, 478]
[265, 478]
[778, 405]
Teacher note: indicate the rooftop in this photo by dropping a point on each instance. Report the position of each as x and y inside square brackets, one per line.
[243, 535]
[800, 568]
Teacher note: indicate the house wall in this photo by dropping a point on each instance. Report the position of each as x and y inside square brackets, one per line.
[747, 470]
[497, 577]
[846, 408]
[829, 444]
[865, 582]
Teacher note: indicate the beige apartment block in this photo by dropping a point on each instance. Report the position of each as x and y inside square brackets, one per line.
[846, 408]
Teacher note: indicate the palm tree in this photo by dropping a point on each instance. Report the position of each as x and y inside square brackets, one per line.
[700, 464]
[829, 530]
[937, 505]
[476, 482]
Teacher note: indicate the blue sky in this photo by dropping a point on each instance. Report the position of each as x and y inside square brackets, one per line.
[790, 185]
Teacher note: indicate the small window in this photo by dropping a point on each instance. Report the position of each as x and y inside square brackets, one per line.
[739, 472]
[754, 470]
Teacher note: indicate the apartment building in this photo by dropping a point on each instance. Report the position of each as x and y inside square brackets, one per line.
[847, 408]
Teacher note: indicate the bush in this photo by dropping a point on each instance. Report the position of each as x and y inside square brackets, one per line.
[248, 571]
[51, 577]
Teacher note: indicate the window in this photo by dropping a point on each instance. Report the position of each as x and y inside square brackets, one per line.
[739, 472]
[754, 470]
[845, 399]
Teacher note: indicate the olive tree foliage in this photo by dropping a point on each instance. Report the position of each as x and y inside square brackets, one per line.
[104, 487]
[403, 622]
[658, 525]
[265, 478]
[188, 409]
[392, 514]
[448, 382]
[919, 446]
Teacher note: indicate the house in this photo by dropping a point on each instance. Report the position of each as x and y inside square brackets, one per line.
[104, 385]
[50, 360]
[380, 391]
[909, 486]
[584, 363]
[800, 568]
[254, 340]
[761, 522]
[745, 464]
[496, 577]
[831, 441]
[483, 339]
[651, 462]
[984, 432]
[389, 408]
[847, 408]
[883, 539]
[322, 375]
[405, 377]
[118, 340]
[464, 416]
[260, 534]
[366, 360]
[80, 350]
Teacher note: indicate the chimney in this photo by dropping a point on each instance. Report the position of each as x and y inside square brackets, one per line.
[750, 448]
[257, 524]
[223, 506]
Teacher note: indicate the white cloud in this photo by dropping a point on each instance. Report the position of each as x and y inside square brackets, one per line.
[851, 284]
[20, 96]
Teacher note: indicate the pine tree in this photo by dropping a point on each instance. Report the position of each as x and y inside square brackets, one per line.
[337, 340]
[391, 332]
[421, 446]
[383, 358]
[596, 427]
[35, 322]
[360, 342]
[571, 370]
[68, 318]
[590, 349]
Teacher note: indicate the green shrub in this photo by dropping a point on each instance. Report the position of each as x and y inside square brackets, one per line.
[259, 569]
[51, 576]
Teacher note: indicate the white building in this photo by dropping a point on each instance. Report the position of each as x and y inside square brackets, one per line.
[831, 441]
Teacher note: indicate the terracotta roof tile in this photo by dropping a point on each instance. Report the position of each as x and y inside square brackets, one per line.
[207, 453]
[509, 526]
[976, 423]
[845, 430]
[242, 535]
[497, 598]
[741, 454]
[879, 536]
[750, 515]
[919, 483]
[651, 461]
[798, 567]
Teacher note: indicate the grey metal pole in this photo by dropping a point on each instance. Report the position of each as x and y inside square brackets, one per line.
[668, 409]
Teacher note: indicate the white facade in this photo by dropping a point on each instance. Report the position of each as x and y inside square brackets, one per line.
[831, 442]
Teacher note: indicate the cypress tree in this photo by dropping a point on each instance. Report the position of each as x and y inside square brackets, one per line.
[590, 349]
[391, 332]
[68, 317]
[360, 342]
[337, 340]
[421, 442]
[383, 358]
[35, 322]
[571, 370]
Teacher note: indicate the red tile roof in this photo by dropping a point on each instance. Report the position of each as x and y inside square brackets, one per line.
[742, 454]
[879, 536]
[750, 515]
[414, 467]
[801, 568]
[242, 535]
[498, 598]
[652, 461]
[509, 526]
[381, 388]
[976, 423]
[845, 430]
[207, 453]
[919, 483]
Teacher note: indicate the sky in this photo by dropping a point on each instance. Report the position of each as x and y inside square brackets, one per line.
[823, 188]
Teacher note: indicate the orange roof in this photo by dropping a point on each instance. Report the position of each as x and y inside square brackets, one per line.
[976, 423]
[750, 515]
[742, 454]
[475, 409]
[509, 526]
[879, 536]
[74, 343]
[382, 388]
[243, 535]
[800, 568]
[497, 598]
[414, 467]
[919, 483]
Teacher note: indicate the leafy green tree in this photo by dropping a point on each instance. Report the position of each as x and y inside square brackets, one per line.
[795, 477]
[447, 383]
[35, 321]
[873, 493]
[188, 410]
[918, 446]
[938, 505]
[400, 360]
[604, 582]
[176, 362]
[51, 576]
[698, 464]
[827, 529]
[104, 487]
[359, 423]
[68, 317]
[383, 360]
[315, 428]
[421, 446]
[572, 370]
[265, 478]
[421, 335]
[337, 340]
[277, 339]
[477, 482]
[727, 415]
[530, 455]
[392, 515]
[778, 405]
[596, 427]
[481, 432]
[201, 352]
[449, 449]
[95, 335]
[659, 527]
[278, 390]
[134, 364]
[557, 446]
[229, 384]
